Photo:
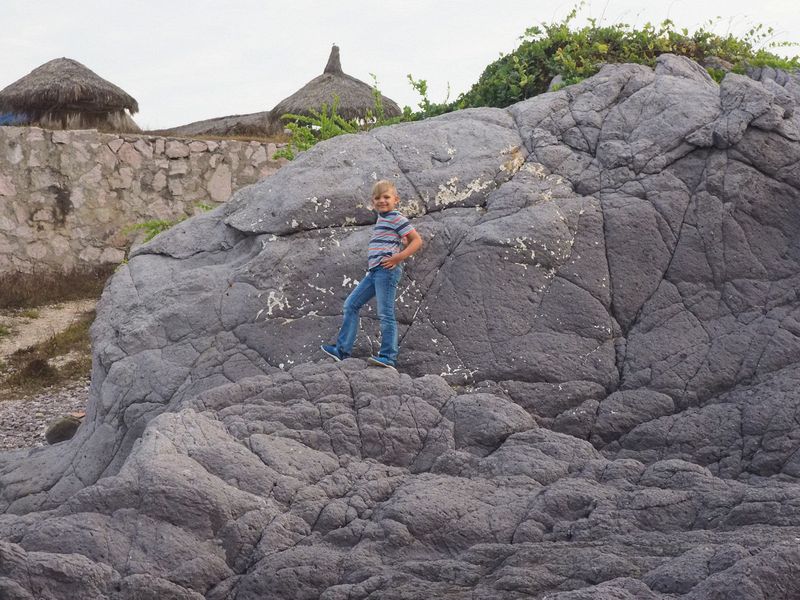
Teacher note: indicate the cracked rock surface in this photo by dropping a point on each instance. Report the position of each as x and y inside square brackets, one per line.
[600, 347]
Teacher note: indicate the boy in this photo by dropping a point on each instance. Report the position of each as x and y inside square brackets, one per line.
[393, 240]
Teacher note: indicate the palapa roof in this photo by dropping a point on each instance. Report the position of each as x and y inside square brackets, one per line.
[355, 96]
[64, 84]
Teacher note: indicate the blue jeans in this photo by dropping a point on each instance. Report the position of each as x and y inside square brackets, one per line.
[381, 283]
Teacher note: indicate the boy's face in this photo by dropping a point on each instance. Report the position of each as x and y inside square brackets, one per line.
[385, 201]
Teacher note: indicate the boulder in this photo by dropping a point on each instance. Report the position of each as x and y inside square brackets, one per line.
[599, 370]
[62, 428]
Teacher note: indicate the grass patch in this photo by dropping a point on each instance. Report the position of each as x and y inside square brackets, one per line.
[29, 290]
[30, 313]
[151, 228]
[4, 331]
[155, 226]
[31, 369]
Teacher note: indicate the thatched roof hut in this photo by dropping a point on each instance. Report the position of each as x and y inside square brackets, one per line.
[64, 94]
[355, 96]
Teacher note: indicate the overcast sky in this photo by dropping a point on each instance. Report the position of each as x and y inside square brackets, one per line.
[187, 60]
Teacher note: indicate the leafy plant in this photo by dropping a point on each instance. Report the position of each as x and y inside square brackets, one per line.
[376, 117]
[308, 130]
[428, 108]
[302, 138]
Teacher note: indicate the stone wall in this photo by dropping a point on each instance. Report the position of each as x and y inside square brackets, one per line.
[68, 198]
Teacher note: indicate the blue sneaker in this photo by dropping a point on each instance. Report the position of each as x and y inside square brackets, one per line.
[380, 361]
[333, 352]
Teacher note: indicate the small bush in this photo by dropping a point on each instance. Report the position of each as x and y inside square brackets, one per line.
[30, 313]
[37, 368]
[4, 331]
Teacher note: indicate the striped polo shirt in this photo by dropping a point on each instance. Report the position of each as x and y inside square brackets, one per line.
[390, 228]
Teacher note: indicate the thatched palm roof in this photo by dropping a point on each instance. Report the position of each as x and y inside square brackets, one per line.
[355, 96]
[64, 84]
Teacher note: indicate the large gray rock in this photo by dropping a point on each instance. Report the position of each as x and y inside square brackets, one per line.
[599, 347]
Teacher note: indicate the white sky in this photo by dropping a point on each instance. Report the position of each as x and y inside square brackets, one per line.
[186, 60]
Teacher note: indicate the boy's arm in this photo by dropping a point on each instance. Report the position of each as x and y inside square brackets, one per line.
[414, 240]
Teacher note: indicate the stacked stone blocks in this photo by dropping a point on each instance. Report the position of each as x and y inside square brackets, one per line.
[69, 198]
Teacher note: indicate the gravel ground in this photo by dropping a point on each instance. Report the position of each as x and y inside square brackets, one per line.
[23, 421]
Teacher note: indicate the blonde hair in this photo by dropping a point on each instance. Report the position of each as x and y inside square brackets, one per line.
[382, 186]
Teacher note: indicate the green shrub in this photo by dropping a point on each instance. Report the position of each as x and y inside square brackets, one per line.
[558, 48]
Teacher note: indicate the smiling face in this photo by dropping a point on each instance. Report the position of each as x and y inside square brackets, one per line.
[385, 200]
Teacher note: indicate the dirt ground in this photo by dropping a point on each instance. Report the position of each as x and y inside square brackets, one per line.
[27, 331]
[26, 414]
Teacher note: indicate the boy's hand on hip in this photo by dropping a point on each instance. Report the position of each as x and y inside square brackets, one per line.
[390, 262]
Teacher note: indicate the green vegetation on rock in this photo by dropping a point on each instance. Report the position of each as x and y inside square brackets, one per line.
[559, 49]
